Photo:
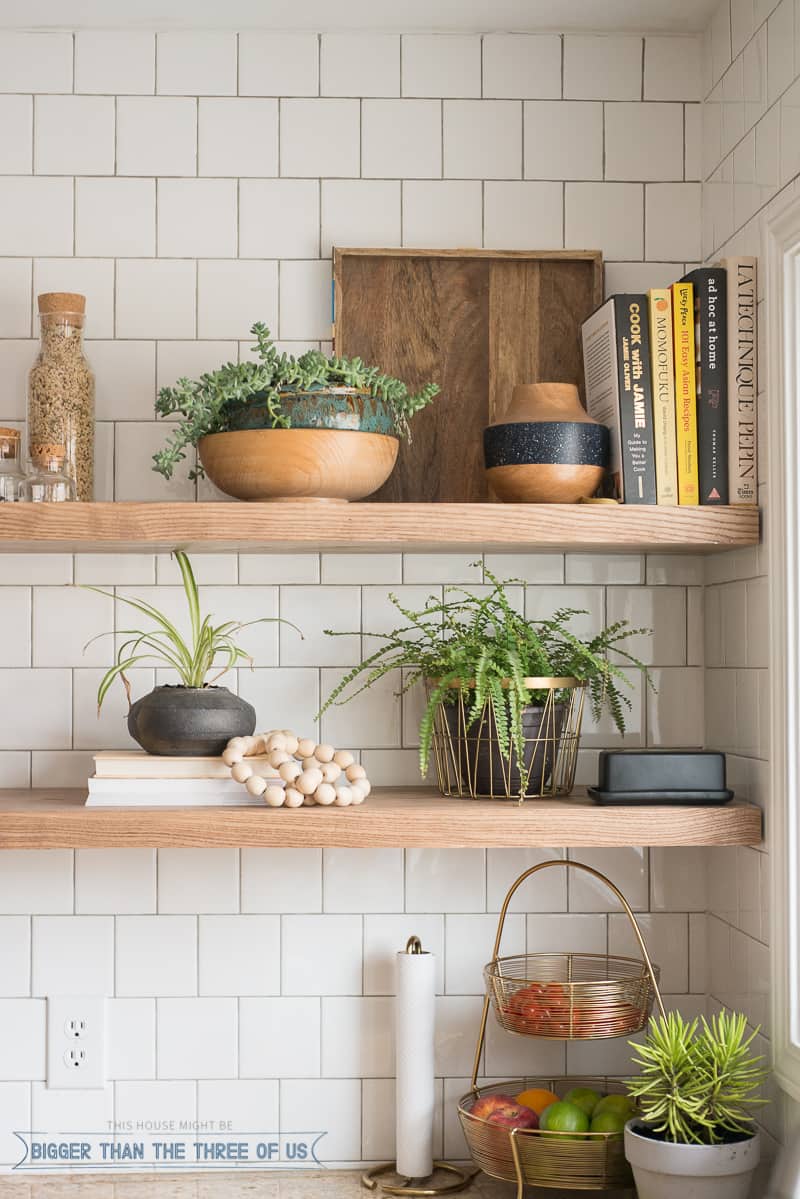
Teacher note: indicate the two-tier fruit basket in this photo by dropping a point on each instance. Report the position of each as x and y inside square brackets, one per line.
[563, 996]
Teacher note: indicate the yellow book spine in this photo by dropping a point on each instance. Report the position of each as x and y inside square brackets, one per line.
[662, 364]
[685, 392]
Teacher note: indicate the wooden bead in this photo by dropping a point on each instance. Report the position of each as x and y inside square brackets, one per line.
[343, 758]
[290, 770]
[231, 756]
[310, 763]
[275, 797]
[294, 798]
[364, 785]
[331, 772]
[324, 794]
[354, 772]
[277, 757]
[308, 781]
[344, 797]
[275, 741]
[309, 801]
[241, 772]
[250, 745]
[306, 747]
[324, 753]
[255, 785]
[359, 794]
[291, 742]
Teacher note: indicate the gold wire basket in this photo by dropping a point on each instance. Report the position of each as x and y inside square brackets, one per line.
[604, 1005]
[469, 760]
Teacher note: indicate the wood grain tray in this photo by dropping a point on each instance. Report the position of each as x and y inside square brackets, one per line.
[477, 322]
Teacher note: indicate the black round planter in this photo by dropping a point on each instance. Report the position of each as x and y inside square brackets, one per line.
[189, 721]
[486, 771]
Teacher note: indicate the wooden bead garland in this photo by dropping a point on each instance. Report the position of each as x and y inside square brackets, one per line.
[310, 773]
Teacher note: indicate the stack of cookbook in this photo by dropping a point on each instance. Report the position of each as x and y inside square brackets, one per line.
[128, 779]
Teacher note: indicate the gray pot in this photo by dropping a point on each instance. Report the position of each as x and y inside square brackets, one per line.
[189, 721]
[488, 772]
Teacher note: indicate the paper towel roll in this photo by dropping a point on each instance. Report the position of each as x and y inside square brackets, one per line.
[414, 1028]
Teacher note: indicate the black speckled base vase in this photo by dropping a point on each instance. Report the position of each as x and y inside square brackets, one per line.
[189, 721]
[545, 462]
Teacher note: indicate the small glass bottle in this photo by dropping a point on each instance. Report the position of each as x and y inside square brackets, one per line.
[49, 479]
[61, 388]
[11, 476]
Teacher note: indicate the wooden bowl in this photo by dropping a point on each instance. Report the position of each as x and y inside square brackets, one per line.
[290, 464]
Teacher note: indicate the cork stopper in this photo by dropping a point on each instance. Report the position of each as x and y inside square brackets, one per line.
[61, 301]
[7, 434]
[9, 443]
[45, 451]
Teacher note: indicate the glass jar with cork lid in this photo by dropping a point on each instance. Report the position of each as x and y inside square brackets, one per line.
[49, 480]
[61, 389]
[11, 475]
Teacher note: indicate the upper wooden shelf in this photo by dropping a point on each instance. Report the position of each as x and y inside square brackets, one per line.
[391, 817]
[316, 524]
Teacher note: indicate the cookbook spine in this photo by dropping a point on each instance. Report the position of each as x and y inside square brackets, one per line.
[742, 379]
[711, 380]
[662, 361]
[635, 399]
[685, 395]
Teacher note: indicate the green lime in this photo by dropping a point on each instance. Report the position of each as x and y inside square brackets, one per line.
[621, 1105]
[609, 1121]
[564, 1117]
[584, 1098]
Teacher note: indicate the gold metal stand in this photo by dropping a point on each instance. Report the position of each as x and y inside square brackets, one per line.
[418, 1186]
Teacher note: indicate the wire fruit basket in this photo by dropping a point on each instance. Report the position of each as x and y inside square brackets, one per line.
[570, 996]
[469, 760]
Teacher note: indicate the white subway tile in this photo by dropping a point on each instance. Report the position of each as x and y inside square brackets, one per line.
[482, 139]
[35, 710]
[678, 569]
[362, 64]
[441, 65]
[15, 617]
[519, 215]
[37, 215]
[131, 1044]
[91, 277]
[278, 64]
[698, 952]
[370, 720]
[742, 24]
[362, 212]
[394, 768]
[35, 62]
[457, 1019]
[693, 141]
[196, 62]
[401, 139]
[155, 1101]
[314, 609]
[248, 605]
[628, 870]
[281, 880]
[444, 214]
[508, 1055]
[610, 1057]
[155, 298]
[125, 378]
[135, 479]
[362, 568]
[522, 66]
[198, 880]
[780, 49]
[15, 950]
[644, 141]
[675, 712]
[667, 939]
[244, 1104]
[115, 62]
[24, 1052]
[115, 217]
[74, 135]
[16, 134]
[748, 891]
[604, 733]
[239, 955]
[604, 568]
[694, 626]
[156, 135]
[115, 880]
[660, 609]
[386, 936]
[36, 880]
[320, 138]
[678, 879]
[284, 697]
[64, 621]
[197, 218]
[362, 880]
[333, 1104]
[567, 934]
[237, 137]
[602, 68]
[321, 955]
[357, 1037]
[378, 1131]
[279, 218]
[72, 1111]
[72, 955]
[279, 1038]
[190, 359]
[15, 768]
[608, 217]
[445, 880]
[232, 295]
[672, 68]
[156, 955]
[183, 1046]
[469, 941]
[542, 602]
[530, 568]
[15, 299]
[16, 359]
[545, 891]
[672, 219]
[15, 1108]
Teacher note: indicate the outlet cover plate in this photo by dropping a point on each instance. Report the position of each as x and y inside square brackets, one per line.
[76, 1042]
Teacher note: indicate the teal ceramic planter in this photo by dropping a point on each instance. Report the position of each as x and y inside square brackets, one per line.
[319, 408]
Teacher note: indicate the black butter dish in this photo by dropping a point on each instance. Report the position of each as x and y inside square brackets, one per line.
[661, 777]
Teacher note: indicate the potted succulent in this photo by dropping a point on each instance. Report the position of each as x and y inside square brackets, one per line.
[695, 1137]
[283, 427]
[194, 717]
[504, 694]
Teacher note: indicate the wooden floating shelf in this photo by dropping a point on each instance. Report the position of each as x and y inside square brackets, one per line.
[53, 819]
[310, 524]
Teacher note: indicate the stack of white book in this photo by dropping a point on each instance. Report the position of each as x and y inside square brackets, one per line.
[127, 779]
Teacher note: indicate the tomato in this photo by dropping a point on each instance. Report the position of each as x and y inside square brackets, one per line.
[542, 1009]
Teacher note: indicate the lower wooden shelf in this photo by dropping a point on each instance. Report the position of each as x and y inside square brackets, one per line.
[407, 817]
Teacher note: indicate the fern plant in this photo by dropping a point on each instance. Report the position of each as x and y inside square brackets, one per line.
[484, 649]
[191, 659]
[697, 1083]
[207, 405]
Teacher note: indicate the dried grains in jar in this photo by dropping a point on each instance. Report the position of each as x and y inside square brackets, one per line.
[61, 388]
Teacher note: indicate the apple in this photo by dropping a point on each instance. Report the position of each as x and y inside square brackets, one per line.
[505, 1111]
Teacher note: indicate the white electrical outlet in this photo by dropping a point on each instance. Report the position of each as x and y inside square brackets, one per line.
[76, 1042]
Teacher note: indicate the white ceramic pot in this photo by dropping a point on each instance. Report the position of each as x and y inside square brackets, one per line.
[665, 1171]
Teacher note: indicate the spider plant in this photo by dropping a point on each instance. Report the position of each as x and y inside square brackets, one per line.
[192, 659]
